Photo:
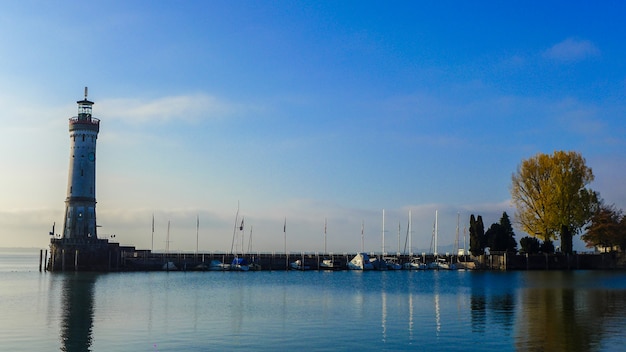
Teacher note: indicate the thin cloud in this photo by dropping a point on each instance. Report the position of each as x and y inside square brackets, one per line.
[571, 50]
[172, 108]
[579, 118]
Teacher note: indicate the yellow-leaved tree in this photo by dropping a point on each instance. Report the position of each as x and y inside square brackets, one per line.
[551, 196]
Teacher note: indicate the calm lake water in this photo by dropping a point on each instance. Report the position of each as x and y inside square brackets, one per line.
[309, 311]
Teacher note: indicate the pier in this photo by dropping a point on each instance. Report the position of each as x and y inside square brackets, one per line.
[146, 260]
[111, 257]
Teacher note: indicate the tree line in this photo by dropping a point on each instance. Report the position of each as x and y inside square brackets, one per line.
[553, 201]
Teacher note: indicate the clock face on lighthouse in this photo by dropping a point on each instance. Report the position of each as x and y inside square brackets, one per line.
[91, 156]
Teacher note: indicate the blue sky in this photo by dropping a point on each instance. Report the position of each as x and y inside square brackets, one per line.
[304, 111]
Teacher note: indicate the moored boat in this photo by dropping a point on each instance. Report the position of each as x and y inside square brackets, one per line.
[392, 263]
[414, 264]
[299, 265]
[169, 266]
[217, 265]
[239, 264]
[329, 264]
[361, 261]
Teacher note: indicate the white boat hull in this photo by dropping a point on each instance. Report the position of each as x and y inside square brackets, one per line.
[360, 262]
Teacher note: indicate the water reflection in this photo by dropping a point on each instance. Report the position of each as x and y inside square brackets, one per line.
[411, 321]
[393, 311]
[77, 311]
[384, 315]
[437, 307]
[561, 314]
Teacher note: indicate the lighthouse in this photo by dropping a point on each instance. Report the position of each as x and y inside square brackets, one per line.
[80, 203]
[79, 247]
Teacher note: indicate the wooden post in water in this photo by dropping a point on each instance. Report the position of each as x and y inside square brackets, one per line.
[76, 260]
[63, 259]
[45, 261]
[40, 258]
[52, 258]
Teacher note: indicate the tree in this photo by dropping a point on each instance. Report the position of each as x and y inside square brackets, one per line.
[477, 236]
[551, 196]
[511, 243]
[606, 228]
[547, 247]
[530, 245]
[500, 236]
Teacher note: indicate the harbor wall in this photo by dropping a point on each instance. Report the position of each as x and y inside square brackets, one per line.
[100, 255]
[144, 260]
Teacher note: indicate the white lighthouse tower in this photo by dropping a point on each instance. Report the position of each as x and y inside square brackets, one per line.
[79, 248]
[80, 204]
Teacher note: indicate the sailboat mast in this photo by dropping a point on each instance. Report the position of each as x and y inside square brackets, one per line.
[436, 229]
[464, 240]
[410, 235]
[383, 236]
[285, 243]
[197, 231]
[167, 239]
[362, 235]
[456, 241]
[324, 235]
[399, 237]
[232, 245]
[242, 235]
[152, 244]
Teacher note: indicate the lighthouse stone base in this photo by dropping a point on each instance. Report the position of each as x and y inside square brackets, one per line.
[83, 255]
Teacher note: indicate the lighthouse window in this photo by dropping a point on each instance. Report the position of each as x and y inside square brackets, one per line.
[83, 137]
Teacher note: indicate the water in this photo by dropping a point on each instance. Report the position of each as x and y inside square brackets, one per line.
[315, 311]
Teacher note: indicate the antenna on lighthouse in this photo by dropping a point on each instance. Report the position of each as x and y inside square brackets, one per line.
[85, 93]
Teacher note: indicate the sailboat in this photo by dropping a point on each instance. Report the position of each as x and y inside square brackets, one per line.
[169, 265]
[361, 261]
[393, 263]
[218, 265]
[390, 262]
[414, 263]
[439, 263]
[299, 264]
[327, 263]
[379, 263]
[253, 265]
[238, 263]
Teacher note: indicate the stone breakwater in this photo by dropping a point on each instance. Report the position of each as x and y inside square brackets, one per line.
[112, 257]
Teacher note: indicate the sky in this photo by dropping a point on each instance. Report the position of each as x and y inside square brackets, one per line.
[293, 114]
